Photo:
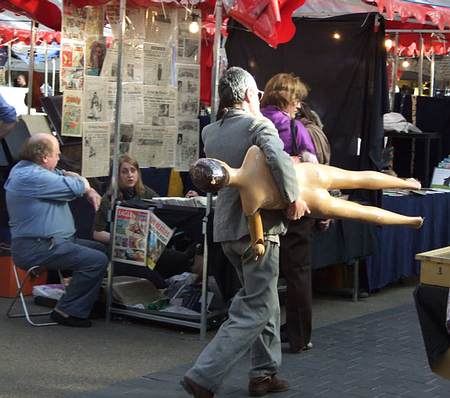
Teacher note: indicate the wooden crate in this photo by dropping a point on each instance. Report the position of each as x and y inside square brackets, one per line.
[435, 267]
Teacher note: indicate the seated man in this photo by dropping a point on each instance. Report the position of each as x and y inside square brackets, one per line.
[7, 117]
[42, 227]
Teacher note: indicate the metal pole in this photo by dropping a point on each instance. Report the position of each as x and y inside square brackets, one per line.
[432, 74]
[46, 70]
[216, 62]
[420, 82]
[31, 66]
[115, 171]
[9, 65]
[394, 71]
[53, 75]
[204, 309]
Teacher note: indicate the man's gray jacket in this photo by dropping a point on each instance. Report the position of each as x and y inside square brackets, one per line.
[228, 140]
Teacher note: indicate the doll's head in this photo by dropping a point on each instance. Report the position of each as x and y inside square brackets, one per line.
[209, 175]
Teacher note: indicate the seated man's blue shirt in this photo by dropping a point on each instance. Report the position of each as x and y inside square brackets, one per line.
[37, 201]
[7, 112]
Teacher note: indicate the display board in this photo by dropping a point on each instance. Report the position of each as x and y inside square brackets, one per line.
[160, 85]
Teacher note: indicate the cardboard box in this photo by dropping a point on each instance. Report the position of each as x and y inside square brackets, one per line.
[435, 267]
[8, 286]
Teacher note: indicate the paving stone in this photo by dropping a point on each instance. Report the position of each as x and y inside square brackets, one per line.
[379, 355]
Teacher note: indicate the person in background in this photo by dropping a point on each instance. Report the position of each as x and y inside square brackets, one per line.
[8, 117]
[254, 314]
[42, 227]
[171, 262]
[281, 100]
[20, 81]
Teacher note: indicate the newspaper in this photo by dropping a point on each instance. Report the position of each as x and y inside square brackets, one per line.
[132, 103]
[159, 235]
[154, 146]
[161, 25]
[157, 64]
[95, 149]
[133, 62]
[72, 65]
[94, 99]
[188, 77]
[72, 79]
[73, 21]
[126, 134]
[188, 50]
[95, 17]
[130, 236]
[135, 27]
[160, 106]
[72, 54]
[72, 113]
[187, 148]
[95, 54]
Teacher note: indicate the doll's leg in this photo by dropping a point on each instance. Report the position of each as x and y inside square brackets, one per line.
[331, 207]
[255, 228]
[349, 179]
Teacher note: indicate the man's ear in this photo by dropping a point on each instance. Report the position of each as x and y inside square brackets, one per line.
[247, 95]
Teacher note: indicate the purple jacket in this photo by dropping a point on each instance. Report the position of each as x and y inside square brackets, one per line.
[282, 122]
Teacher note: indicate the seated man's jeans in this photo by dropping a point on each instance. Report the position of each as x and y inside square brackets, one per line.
[86, 259]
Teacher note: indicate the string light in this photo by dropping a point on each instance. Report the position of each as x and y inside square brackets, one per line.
[405, 64]
[194, 26]
[388, 43]
[336, 36]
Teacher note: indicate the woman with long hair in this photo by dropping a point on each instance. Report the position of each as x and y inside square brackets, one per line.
[171, 262]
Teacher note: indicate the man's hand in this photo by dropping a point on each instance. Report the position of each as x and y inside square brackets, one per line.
[297, 210]
[93, 198]
[191, 194]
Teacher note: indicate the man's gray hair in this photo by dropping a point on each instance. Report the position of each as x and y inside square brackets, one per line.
[233, 86]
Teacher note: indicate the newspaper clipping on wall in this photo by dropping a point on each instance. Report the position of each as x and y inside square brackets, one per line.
[95, 54]
[159, 235]
[73, 21]
[130, 236]
[95, 149]
[154, 146]
[160, 106]
[72, 65]
[94, 99]
[132, 103]
[161, 26]
[187, 143]
[188, 42]
[72, 112]
[157, 64]
[188, 77]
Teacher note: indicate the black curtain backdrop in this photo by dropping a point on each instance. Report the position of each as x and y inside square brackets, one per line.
[347, 78]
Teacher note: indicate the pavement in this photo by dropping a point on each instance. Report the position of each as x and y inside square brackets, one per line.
[372, 348]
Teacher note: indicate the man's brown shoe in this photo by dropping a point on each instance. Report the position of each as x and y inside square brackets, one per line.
[260, 386]
[195, 389]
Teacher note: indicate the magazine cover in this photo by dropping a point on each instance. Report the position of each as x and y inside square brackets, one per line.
[130, 235]
[158, 238]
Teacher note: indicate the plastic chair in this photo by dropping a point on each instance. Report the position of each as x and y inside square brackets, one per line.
[26, 313]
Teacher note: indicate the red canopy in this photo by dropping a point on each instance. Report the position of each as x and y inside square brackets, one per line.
[43, 11]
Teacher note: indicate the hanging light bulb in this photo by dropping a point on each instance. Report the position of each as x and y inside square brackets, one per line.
[405, 64]
[194, 26]
[388, 43]
[336, 36]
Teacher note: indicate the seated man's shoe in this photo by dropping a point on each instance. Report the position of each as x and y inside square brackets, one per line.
[70, 320]
[195, 389]
[260, 386]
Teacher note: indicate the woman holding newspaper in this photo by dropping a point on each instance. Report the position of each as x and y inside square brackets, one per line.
[171, 262]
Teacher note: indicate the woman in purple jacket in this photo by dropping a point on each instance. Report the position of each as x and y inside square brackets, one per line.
[282, 97]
